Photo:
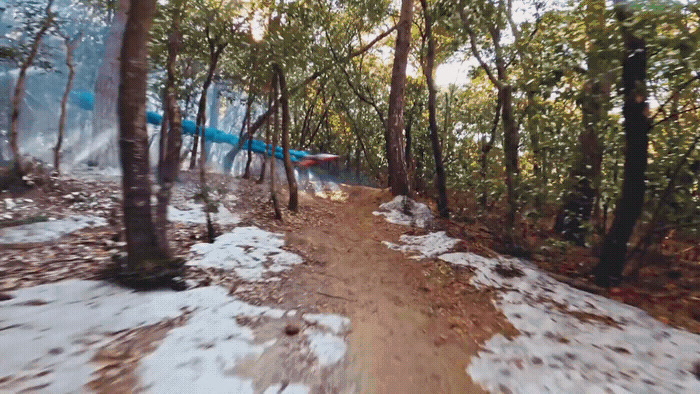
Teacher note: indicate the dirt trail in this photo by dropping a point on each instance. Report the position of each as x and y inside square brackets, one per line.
[402, 340]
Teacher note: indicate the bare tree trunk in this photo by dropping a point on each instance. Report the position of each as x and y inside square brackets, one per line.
[261, 179]
[511, 140]
[429, 71]
[169, 166]
[398, 174]
[20, 88]
[141, 240]
[246, 126]
[273, 176]
[104, 117]
[575, 211]
[70, 48]
[200, 130]
[289, 169]
[485, 149]
[608, 272]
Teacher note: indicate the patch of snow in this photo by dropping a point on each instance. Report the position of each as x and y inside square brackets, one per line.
[429, 245]
[336, 323]
[329, 348]
[558, 352]
[196, 215]
[402, 210]
[10, 204]
[294, 388]
[49, 230]
[249, 251]
[50, 334]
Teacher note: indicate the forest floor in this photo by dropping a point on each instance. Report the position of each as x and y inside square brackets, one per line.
[343, 302]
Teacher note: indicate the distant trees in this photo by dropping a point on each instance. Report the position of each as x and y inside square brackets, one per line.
[47, 21]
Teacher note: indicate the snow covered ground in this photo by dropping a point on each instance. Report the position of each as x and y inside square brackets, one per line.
[404, 211]
[194, 214]
[249, 251]
[570, 341]
[48, 231]
[51, 333]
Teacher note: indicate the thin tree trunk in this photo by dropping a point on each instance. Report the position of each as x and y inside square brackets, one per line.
[104, 117]
[485, 149]
[429, 71]
[169, 166]
[246, 126]
[200, 129]
[288, 167]
[20, 88]
[398, 174]
[141, 241]
[637, 125]
[261, 179]
[510, 150]
[273, 176]
[576, 209]
[70, 48]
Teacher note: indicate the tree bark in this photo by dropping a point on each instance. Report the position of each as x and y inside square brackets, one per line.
[429, 71]
[104, 116]
[398, 174]
[169, 166]
[271, 155]
[70, 48]
[141, 241]
[20, 88]
[637, 124]
[288, 167]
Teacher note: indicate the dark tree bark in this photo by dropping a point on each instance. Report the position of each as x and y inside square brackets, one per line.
[637, 124]
[169, 166]
[429, 71]
[141, 240]
[288, 167]
[261, 179]
[576, 208]
[21, 85]
[245, 127]
[398, 174]
[70, 48]
[273, 176]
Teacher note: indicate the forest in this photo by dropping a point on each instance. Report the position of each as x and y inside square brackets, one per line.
[565, 133]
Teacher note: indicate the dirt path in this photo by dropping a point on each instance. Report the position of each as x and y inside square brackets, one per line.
[406, 336]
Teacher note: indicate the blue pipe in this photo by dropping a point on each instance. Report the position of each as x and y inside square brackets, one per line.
[86, 100]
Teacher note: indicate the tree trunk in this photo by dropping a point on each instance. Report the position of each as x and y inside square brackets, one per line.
[511, 140]
[398, 174]
[104, 115]
[70, 48]
[273, 176]
[169, 166]
[288, 167]
[429, 71]
[585, 178]
[245, 127]
[635, 110]
[20, 88]
[141, 241]
[200, 129]
[485, 149]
